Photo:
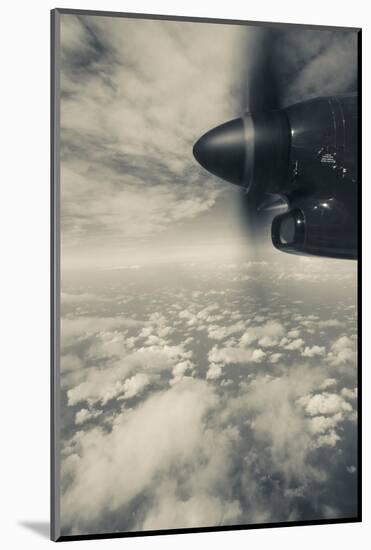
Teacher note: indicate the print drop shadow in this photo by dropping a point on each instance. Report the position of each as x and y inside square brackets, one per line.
[42, 528]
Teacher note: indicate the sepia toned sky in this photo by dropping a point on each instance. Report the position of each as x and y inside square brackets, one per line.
[135, 96]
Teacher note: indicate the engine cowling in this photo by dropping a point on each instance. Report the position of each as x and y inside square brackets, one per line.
[318, 226]
[307, 155]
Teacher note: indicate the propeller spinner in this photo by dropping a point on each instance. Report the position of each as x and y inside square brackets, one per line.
[251, 151]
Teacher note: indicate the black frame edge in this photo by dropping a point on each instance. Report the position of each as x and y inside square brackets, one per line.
[161, 532]
[54, 277]
[196, 19]
[52, 313]
[359, 279]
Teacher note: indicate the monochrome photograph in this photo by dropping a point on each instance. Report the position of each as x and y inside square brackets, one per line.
[205, 339]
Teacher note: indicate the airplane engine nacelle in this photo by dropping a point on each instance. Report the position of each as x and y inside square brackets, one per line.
[307, 155]
[318, 226]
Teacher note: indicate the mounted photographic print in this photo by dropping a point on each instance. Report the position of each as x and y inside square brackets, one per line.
[205, 277]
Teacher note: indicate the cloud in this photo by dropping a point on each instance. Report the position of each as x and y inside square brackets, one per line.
[270, 431]
[79, 327]
[128, 126]
[277, 402]
[324, 403]
[328, 383]
[80, 298]
[135, 385]
[343, 352]
[168, 431]
[70, 362]
[215, 371]
[275, 357]
[293, 333]
[228, 355]
[278, 425]
[321, 424]
[221, 332]
[83, 415]
[348, 393]
[330, 439]
[294, 345]
[312, 63]
[314, 351]
[268, 335]
[198, 510]
[177, 430]
[281, 453]
[179, 371]
[329, 323]
[258, 355]
[308, 271]
[124, 378]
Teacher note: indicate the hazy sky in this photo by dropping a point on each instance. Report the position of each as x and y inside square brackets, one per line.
[135, 96]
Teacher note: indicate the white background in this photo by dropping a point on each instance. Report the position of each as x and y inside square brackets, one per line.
[24, 219]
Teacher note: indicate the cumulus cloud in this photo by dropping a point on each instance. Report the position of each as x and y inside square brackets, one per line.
[78, 327]
[270, 430]
[294, 345]
[216, 332]
[278, 423]
[228, 355]
[328, 383]
[180, 369]
[198, 510]
[314, 351]
[343, 352]
[295, 333]
[349, 393]
[283, 423]
[258, 355]
[168, 429]
[275, 357]
[324, 403]
[135, 385]
[214, 371]
[83, 415]
[177, 430]
[321, 424]
[267, 335]
[124, 378]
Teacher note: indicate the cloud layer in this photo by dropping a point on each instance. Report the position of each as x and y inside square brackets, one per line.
[169, 424]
